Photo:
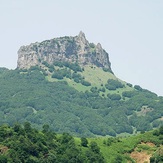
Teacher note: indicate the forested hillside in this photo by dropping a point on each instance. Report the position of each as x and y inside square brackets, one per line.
[22, 143]
[77, 100]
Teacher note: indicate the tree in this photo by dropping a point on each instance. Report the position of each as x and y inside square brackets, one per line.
[137, 87]
[27, 127]
[118, 159]
[128, 94]
[17, 127]
[94, 147]
[152, 160]
[3, 159]
[114, 96]
[161, 130]
[84, 142]
[45, 128]
[85, 83]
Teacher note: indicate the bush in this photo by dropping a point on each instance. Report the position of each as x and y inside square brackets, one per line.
[102, 90]
[128, 94]
[3, 159]
[105, 69]
[76, 75]
[59, 64]
[118, 159]
[84, 142]
[51, 68]
[113, 84]
[75, 67]
[94, 147]
[152, 160]
[156, 133]
[161, 130]
[33, 68]
[137, 87]
[85, 83]
[92, 45]
[110, 87]
[114, 96]
[45, 63]
[76, 80]
[57, 75]
[130, 85]
[94, 90]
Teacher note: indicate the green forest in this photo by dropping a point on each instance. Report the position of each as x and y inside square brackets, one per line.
[26, 144]
[64, 97]
[22, 143]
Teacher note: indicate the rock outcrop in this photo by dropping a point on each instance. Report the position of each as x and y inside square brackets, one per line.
[71, 49]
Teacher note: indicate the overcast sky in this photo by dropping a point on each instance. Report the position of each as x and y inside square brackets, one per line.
[131, 31]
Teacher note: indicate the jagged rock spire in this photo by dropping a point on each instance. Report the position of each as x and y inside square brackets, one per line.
[81, 34]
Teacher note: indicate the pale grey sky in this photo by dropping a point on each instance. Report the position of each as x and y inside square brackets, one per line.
[131, 31]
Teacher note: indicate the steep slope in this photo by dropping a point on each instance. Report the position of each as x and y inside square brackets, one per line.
[68, 83]
[26, 144]
[27, 95]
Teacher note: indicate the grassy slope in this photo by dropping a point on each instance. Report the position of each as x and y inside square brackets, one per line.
[97, 77]
[123, 147]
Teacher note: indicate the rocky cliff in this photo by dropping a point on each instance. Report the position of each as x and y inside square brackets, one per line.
[71, 49]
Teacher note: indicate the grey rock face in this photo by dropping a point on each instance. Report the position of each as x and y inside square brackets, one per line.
[70, 49]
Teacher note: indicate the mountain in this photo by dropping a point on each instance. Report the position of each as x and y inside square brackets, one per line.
[68, 84]
[71, 49]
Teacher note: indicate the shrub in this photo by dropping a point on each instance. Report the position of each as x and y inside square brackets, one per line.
[57, 75]
[102, 90]
[85, 83]
[84, 142]
[130, 85]
[94, 89]
[113, 84]
[3, 159]
[110, 87]
[114, 96]
[59, 64]
[92, 45]
[94, 147]
[137, 87]
[128, 94]
[161, 130]
[45, 63]
[106, 69]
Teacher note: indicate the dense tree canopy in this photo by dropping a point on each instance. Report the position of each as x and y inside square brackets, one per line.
[26, 144]
[26, 95]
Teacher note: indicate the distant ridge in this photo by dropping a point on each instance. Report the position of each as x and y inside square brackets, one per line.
[71, 49]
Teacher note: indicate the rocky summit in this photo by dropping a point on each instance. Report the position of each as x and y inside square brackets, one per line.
[64, 49]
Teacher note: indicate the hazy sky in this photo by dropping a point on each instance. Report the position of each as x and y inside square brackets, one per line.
[131, 31]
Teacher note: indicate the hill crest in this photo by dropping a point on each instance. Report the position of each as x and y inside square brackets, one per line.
[69, 49]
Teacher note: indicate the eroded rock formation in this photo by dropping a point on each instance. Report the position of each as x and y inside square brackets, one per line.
[71, 49]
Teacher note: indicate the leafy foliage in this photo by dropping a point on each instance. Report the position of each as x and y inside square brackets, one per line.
[73, 66]
[113, 84]
[26, 144]
[26, 95]
[84, 142]
[22, 143]
[114, 96]
[70, 71]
